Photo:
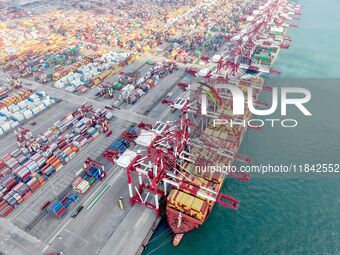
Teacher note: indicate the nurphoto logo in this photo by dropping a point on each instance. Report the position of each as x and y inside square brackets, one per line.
[238, 102]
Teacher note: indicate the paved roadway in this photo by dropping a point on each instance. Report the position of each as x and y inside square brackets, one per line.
[14, 241]
[131, 232]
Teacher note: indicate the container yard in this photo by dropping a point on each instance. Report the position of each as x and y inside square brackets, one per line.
[100, 126]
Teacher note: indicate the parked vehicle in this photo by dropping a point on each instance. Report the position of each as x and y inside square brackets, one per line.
[77, 211]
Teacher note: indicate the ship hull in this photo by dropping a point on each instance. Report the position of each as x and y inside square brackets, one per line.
[188, 223]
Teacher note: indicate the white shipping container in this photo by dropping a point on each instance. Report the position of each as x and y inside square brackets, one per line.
[15, 108]
[83, 186]
[59, 84]
[34, 98]
[2, 119]
[10, 107]
[47, 103]
[109, 115]
[42, 107]
[19, 116]
[22, 104]
[17, 197]
[31, 166]
[5, 126]
[72, 155]
[41, 161]
[126, 158]
[28, 114]
[47, 153]
[59, 168]
[29, 104]
[70, 88]
[53, 146]
[4, 110]
[35, 110]
[14, 123]
[9, 115]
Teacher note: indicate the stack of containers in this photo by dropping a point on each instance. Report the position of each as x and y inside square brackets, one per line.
[12, 115]
[3, 92]
[5, 208]
[23, 190]
[31, 165]
[22, 173]
[12, 198]
[4, 170]
[133, 92]
[10, 162]
[15, 97]
[59, 208]
[80, 185]
[7, 183]
[21, 155]
[18, 178]
[104, 114]
[77, 81]
[120, 145]
[72, 68]
[35, 182]
[83, 183]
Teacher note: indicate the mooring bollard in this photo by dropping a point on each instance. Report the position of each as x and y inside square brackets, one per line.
[121, 203]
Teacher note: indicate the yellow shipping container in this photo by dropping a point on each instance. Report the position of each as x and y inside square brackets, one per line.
[186, 200]
[197, 204]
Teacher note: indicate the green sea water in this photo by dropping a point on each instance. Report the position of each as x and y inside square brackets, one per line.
[279, 214]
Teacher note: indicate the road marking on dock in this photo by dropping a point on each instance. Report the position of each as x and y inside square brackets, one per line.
[79, 172]
[97, 197]
[77, 236]
[56, 233]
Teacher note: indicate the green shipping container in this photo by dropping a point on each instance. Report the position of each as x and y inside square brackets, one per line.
[92, 180]
[117, 86]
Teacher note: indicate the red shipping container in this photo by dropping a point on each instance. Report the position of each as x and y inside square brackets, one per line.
[61, 212]
[27, 195]
[5, 212]
[34, 187]
[44, 167]
[2, 165]
[6, 158]
[3, 204]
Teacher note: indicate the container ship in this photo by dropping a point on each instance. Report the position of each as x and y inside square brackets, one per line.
[207, 162]
[174, 161]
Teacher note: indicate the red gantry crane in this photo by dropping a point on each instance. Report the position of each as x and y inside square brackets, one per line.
[167, 148]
